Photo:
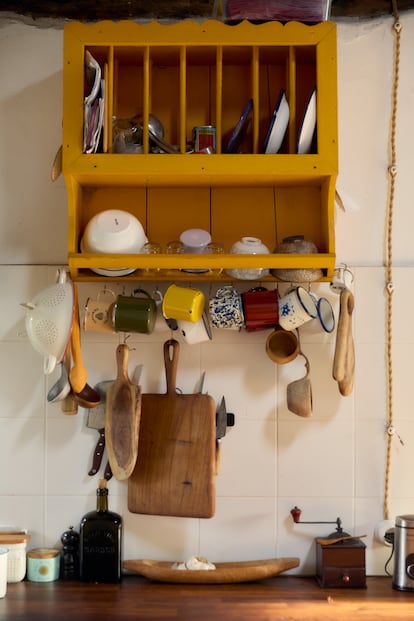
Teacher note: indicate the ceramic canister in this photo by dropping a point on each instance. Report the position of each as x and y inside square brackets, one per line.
[43, 564]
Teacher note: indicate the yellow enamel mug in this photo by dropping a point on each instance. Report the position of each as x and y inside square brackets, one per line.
[183, 303]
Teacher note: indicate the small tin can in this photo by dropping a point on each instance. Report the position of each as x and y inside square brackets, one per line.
[204, 138]
[43, 564]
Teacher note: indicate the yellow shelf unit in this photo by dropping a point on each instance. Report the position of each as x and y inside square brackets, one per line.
[192, 74]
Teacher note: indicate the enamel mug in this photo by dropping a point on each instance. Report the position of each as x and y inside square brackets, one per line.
[134, 313]
[261, 309]
[183, 303]
[161, 324]
[226, 309]
[196, 332]
[296, 307]
[99, 312]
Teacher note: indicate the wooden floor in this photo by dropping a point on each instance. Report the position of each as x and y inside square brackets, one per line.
[279, 599]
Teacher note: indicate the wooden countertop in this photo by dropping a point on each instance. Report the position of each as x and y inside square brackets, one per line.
[280, 598]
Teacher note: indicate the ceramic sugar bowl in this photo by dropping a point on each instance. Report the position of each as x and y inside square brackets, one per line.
[249, 245]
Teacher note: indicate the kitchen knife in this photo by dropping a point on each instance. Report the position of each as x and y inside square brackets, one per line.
[224, 419]
[96, 420]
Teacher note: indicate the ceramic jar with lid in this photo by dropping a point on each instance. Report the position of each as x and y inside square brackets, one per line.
[249, 245]
[43, 564]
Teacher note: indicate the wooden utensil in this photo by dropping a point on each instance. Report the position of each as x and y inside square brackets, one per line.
[225, 573]
[328, 542]
[346, 385]
[69, 405]
[175, 471]
[122, 419]
[344, 357]
[346, 306]
[78, 374]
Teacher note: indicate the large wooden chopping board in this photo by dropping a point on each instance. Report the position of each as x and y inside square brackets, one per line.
[175, 470]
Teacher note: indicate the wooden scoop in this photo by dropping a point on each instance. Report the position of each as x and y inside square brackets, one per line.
[78, 375]
[328, 542]
[122, 419]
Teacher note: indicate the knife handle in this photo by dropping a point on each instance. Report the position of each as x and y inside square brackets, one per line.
[98, 453]
[108, 471]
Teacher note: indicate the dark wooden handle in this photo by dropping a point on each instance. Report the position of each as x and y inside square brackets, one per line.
[98, 452]
[171, 351]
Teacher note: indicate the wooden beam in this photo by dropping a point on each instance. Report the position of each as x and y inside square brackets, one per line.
[91, 10]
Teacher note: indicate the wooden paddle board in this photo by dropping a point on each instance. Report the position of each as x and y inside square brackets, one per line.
[122, 419]
[175, 470]
[224, 573]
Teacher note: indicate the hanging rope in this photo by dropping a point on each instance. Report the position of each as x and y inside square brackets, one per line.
[392, 172]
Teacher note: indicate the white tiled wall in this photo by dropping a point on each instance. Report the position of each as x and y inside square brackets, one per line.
[330, 465]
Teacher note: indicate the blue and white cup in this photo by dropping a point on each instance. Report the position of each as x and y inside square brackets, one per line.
[296, 307]
[226, 309]
[325, 312]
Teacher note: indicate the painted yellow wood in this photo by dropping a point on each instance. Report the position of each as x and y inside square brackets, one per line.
[190, 74]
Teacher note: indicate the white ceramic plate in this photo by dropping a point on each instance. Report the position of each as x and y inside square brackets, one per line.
[278, 125]
[308, 126]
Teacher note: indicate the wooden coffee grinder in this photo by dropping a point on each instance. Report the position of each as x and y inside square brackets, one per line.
[340, 558]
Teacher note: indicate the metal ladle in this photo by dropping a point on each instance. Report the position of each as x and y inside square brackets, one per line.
[155, 132]
[61, 388]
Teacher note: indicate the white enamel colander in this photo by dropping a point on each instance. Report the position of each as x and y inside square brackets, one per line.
[49, 319]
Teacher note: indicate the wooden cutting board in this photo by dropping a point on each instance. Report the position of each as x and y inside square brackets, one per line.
[122, 419]
[175, 470]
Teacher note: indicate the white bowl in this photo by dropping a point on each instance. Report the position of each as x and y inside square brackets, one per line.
[113, 232]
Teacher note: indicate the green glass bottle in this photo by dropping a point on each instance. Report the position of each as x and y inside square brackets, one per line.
[100, 541]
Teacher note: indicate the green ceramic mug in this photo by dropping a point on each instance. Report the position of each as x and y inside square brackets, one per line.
[135, 313]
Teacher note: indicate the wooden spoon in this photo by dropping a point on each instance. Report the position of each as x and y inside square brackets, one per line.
[78, 374]
[328, 542]
[84, 394]
[346, 384]
[341, 344]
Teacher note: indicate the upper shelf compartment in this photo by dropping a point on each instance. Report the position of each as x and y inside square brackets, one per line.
[189, 75]
[192, 75]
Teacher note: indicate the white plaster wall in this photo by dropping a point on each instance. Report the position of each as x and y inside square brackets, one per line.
[330, 465]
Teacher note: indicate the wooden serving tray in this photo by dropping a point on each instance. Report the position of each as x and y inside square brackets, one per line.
[244, 571]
